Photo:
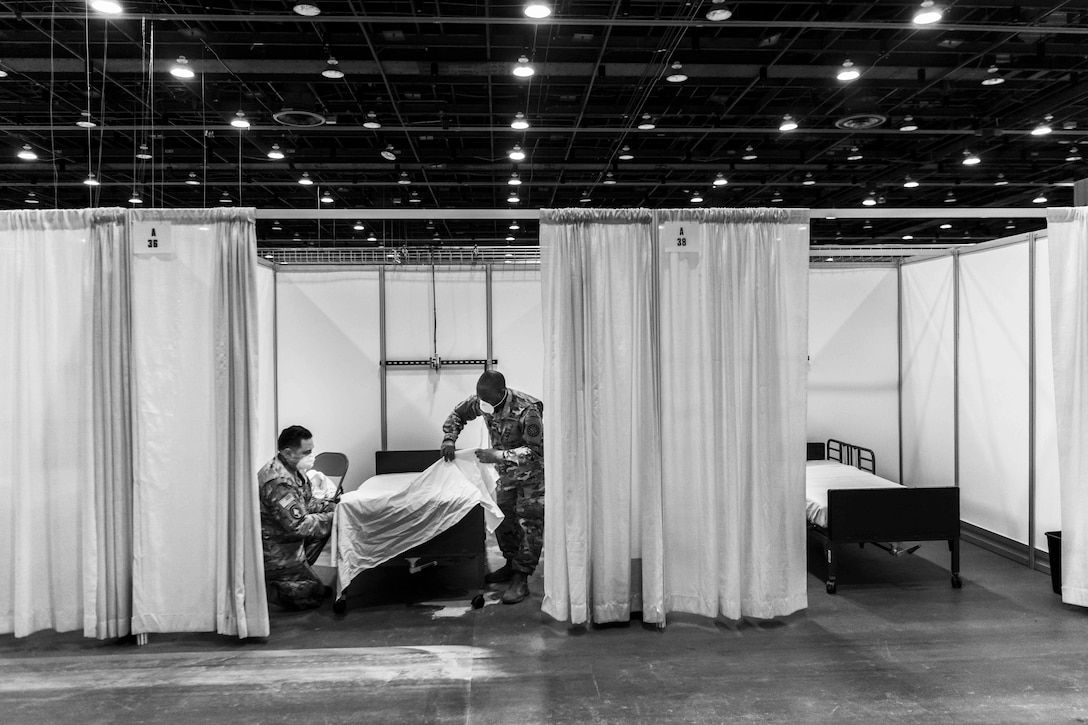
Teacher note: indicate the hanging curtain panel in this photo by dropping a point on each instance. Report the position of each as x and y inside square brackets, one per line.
[197, 551]
[1067, 231]
[603, 537]
[328, 362]
[420, 398]
[928, 437]
[1048, 504]
[47, 534]
[733, 310]
[853, 367]
[993, 389]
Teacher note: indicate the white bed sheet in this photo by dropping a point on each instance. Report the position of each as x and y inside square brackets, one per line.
[391, 513]
[822, 476]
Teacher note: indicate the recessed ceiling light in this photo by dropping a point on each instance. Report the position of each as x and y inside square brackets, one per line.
[719, 11]
[625, 154]
[928, 13]
[537, 10]
[516, 153]
[647, 123]
[331, 70]
[307, 10]
[181, 68]
[720, 180]
[305, 179]
[908, 124]
[26, 153]
[371, 120]
[275, 153]
[520, 123]
[523, 69]
[240, 120]
[848, 72]
[788, 123]
[107, 6]
[677, 75]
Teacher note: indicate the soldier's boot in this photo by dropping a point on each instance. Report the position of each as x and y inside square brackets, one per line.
[503, 574]
[518, 590]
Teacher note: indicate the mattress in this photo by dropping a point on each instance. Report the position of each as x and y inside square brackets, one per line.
[823, 476]
[394, 512]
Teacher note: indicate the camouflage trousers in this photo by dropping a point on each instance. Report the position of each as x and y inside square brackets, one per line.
[521, 533]
[296, 586]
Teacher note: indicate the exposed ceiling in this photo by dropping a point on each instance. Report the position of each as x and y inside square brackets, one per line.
[437, 77]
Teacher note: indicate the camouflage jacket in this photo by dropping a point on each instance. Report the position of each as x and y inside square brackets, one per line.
[289, 514]
[517, 429]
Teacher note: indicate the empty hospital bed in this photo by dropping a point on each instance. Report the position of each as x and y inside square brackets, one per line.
[847, 503]
[400, 518]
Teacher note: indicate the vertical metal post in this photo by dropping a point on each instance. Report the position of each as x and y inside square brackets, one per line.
[381, 357]
[490, 318]
[956, 366]
[899, 357]
[275, 355]
[1031, 401]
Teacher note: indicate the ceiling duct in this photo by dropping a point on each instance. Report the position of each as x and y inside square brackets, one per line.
[861, 113]
[299, 109]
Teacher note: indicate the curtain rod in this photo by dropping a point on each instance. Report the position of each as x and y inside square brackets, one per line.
[534, 214]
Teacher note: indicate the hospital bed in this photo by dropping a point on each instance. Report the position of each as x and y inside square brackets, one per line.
[375, 507]
[847, 503]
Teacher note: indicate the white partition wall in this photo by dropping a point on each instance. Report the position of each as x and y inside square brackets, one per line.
[1048, 510]
[420, 398]
[327, 330]
[853, 376]
[993, 390]
[928, 344]
[518, 329]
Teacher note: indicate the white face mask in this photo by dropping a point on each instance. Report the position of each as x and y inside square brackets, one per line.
[306, 463]
[489, 409]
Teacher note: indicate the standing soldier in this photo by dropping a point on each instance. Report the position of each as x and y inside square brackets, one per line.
[515, 422]
[294, 525]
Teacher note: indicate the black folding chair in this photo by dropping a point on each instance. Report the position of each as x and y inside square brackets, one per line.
[333, 465]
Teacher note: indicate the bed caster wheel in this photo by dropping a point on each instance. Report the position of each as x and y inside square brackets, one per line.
[957, 583]
[478, 601]
[340, 606]
[831, 587]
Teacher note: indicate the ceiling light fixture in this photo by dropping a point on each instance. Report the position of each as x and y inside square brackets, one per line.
[970, 159]
[749, 153]
[855, 154]
[523, 69]
[275, 153]
[514, 227]
[718, 12]
[869, 200]
[910, 183]
[908, 124]
[1040, 199]
[181, 69]
[305, 179]
[1001, 180]
[276, 227]
[3, 73]
[585, 199]
[92, 181]
[677, 75]
[776, 196]
[516, 153]
[358, 227]
[647, 123]
[331, 71]
[608, 179]
[240, 120]
[371, 120]
[85, 120]
[326, 198]
[514, 180]
[403, 179]
[192, 180]
[808, 180]
[143, 154]
[414, 197]
[520, 123]
[720, 180]
[946, 225]
[908, 237]
[1073, 156]
[513, 198]
[307, 10]
[788, 123]
[225, 199]
[696, 198]
[32, 198]
[135, 198]
[950, 197]
[994, 78]
[848, 72]
[625, 154]
[928, 13]
[27, 153]
[1043, 128]
[537, 10]
[108, 7]
[372, 238]
[389, 153]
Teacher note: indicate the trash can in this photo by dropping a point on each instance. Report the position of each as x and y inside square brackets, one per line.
[1054, 543]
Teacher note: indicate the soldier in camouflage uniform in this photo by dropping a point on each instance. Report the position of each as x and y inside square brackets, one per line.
[515, 422]
[294, 525]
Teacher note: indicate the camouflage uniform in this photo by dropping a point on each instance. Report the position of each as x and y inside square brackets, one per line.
[294, 529]
[517, 429]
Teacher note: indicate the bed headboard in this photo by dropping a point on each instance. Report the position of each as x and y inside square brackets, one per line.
[851, 455]
[815, 452]
[404, 461]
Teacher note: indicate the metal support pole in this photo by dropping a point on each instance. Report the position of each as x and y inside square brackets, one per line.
[1031, 401]
[381, 358]
[899, 357]
[956, 366]
[490, 317]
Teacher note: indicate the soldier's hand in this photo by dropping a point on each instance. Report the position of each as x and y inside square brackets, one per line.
[449, 452]
[489, 455]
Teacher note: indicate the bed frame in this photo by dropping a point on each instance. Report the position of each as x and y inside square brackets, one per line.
[877, 515]
[464, 541]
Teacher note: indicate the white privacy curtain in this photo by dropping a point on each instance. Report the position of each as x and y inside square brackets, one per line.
[46, 445]
[602, 526]
[675, 385]
[196, 544]
[1068, 246]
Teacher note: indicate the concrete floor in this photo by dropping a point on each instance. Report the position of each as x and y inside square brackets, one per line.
[896, 645]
